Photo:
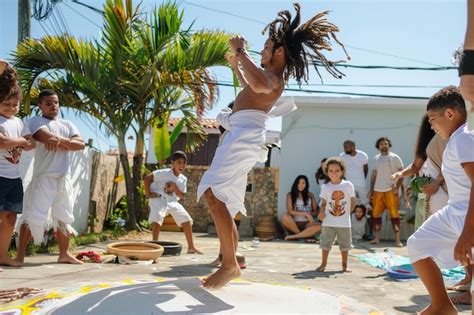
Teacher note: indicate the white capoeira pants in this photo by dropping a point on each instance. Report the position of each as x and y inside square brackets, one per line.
[437, 237]
[160, 207]
[240, 149]
[48, 202]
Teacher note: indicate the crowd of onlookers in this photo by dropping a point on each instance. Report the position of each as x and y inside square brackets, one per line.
[301, 220]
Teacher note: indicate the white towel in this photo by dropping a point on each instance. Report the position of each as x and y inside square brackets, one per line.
[238, 152]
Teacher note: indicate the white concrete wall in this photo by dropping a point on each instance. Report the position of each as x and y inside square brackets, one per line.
[80, 170]
[320, 125]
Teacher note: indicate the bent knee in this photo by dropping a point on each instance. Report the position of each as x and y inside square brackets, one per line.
[9, 217]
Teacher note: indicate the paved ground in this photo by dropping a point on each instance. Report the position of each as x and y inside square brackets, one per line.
[289, 263]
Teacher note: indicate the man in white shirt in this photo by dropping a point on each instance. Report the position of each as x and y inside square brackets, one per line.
[357, 168]
[383, 192]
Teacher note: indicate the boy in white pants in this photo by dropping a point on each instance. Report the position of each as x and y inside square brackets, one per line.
[446, 238]
[165, 188]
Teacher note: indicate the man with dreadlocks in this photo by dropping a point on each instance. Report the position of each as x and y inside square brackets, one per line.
[286, 53]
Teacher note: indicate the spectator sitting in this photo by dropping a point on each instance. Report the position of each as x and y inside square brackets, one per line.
[301, 206]
[359, 223]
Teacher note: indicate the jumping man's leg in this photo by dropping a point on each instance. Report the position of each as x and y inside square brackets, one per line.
[224, 225]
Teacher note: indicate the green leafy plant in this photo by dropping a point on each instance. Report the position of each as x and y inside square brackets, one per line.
[418, 182]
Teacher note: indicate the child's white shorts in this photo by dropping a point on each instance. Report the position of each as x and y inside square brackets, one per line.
[159, 208]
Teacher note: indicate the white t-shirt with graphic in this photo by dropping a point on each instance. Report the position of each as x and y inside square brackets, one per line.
[164, 176]
[460, 149]
[12, 127]
[355, 167]
[386, 165]
[46, 161]
[338, 203]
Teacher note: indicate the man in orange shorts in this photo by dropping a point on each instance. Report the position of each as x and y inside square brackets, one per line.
[383, 192]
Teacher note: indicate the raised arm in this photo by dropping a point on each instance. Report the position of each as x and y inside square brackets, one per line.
[257, 79]
[234, 63]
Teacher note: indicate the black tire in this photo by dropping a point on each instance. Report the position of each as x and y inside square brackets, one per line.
[171, 248]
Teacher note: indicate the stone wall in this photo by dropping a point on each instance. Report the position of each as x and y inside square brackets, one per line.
[261, 198]
[105, 192]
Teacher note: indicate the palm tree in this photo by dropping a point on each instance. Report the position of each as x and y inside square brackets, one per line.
[128, 77]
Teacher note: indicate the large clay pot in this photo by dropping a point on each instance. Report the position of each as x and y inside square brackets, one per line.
[171, 248]
[266, 228]
[136, 250]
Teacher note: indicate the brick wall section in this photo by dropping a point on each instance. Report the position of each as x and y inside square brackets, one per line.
[262, 200]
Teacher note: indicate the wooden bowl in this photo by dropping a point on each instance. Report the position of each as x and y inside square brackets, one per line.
[136, 250]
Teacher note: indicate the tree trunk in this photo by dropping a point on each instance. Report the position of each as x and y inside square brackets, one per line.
[138, 159]
[132, 219]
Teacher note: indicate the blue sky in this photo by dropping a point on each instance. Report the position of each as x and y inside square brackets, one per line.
[394, 33]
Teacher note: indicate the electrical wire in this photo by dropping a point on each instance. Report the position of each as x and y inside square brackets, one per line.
[349, 46]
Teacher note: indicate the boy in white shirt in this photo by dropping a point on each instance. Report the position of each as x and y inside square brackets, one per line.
[165, 188]
[14, 138]
[49, 198]
[338, 201]
[446, 238]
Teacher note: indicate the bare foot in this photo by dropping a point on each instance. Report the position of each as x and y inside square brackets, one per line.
[398, 244]
[463, 299]
[321, 268]
[346, 270]
[221, 277]
[20, 260]
[374, 241]
[289, 238]
[446, 310]
[461, 286]
[8, 261]
[194, 250]
[69, 259]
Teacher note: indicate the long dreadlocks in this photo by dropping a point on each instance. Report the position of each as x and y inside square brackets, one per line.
[303, 43]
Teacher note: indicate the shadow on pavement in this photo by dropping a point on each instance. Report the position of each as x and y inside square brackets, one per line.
[313, 274]
[196, 270]
[147, 298]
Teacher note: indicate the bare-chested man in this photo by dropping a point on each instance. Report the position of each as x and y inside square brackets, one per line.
[283, 56]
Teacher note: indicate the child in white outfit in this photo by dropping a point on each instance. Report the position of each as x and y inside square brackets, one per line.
[444, 240]
[165, 188]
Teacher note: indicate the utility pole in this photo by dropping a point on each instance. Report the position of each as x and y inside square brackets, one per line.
[24, 20]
